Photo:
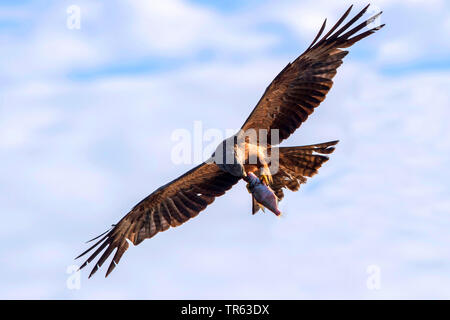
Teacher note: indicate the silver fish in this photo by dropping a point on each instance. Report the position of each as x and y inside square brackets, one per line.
[263, 193]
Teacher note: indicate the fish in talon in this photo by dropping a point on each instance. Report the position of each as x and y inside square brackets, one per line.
[263, 193]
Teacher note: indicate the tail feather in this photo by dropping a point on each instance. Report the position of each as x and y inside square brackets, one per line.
[256, 206]
[296, 164]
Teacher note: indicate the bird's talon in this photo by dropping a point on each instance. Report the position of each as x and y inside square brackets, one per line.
[265, 179]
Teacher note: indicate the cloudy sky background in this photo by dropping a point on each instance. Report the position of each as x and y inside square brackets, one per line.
[86, 118]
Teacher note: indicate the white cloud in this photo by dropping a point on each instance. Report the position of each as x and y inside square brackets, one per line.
[174, 28]
[398, 51]
[78, 155]
[367, 183]
[17, 129]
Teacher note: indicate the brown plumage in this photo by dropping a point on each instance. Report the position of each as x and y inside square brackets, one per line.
[169, 206]
[286, 103]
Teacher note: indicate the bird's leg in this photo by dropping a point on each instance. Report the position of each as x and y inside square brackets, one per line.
[265, 175]
[266, 179]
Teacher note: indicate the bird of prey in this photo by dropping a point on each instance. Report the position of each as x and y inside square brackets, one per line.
[286, 103]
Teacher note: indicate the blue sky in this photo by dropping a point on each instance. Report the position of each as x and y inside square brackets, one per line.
[86, 118]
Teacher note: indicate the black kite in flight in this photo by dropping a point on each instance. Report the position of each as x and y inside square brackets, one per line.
[287, 102]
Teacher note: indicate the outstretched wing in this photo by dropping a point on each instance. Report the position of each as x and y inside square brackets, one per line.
[169, 206]
[303, 84]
